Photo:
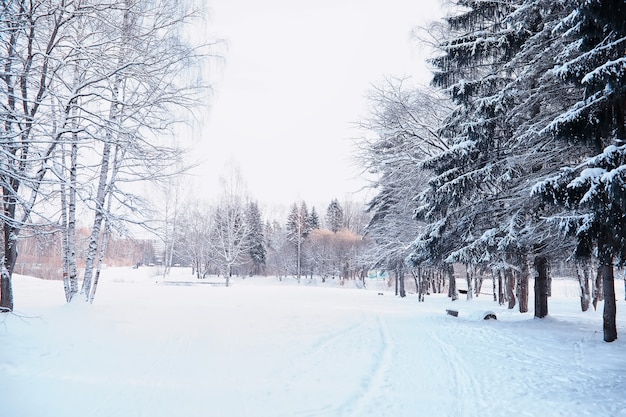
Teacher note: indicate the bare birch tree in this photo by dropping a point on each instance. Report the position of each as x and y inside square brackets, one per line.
[194, 237]
[231, 231]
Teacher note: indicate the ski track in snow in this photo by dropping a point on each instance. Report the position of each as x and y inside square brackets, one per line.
[377, 379]
[467, 394]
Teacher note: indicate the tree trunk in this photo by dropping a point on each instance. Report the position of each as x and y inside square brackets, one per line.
[103, 245]
[65, 245]
[469, 278]
[510, 288]
[400, 279]
[395, 275]
[6, 290]
[452, 292]
[501, 292]
[541, 287]
[105, 237]
[299, 258]
[582, 272]
[522, 284]
[418, 278]
[68, 214]
[8, 263]
[478, 283]
[229, 273]
[71, 238]
[609, 312]
[598, 293]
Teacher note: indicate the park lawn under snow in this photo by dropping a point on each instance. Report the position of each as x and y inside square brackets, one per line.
[268, 348]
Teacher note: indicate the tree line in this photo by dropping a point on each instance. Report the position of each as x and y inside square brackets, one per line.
[233, 237]
[512, 159]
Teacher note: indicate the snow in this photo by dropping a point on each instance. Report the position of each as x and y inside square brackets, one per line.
[265, 347]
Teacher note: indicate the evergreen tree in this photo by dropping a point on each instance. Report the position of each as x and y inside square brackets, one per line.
[496, 67]
[334, 216]
[257, 249]
[314, 219]
[594, 192]
[469, 203]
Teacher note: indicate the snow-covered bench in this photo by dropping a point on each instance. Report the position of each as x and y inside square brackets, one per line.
[486, 315]
[190, 283]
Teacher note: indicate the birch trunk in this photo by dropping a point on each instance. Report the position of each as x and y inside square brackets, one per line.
[597, 292]
[103, 245]
[71, 238]
[119, 156]
[96, 227]
[469, 278]
[582, 273]
[105, 164]
[68, 208]
[64, 243]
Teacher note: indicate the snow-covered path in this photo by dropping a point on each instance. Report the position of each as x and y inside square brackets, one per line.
[264, 348]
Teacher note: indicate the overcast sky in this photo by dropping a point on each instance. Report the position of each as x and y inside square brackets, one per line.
[292, 85]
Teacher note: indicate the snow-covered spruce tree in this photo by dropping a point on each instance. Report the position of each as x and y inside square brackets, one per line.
[493, 67]
[403, 123]
[314, 219]
[541, 96]
[257, 250]
[594, 192]
[463, 202]
[334, 216]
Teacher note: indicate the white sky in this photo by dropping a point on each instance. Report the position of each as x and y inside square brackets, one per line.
[292, 85]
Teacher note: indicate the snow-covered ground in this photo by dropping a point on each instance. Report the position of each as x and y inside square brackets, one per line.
[268, 348]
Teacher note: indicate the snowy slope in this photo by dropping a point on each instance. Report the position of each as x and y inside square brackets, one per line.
[269, 348]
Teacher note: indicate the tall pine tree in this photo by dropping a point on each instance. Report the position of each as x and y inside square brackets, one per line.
[594, 192]
[470, 205]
